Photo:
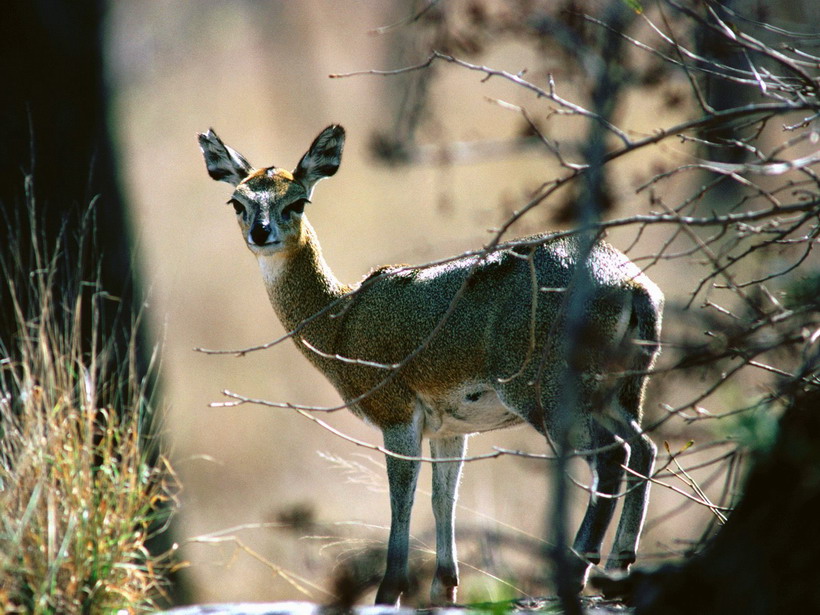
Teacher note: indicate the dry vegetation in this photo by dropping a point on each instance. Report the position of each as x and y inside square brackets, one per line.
[82, 488]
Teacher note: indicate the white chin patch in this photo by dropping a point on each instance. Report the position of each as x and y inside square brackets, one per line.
[271, 266]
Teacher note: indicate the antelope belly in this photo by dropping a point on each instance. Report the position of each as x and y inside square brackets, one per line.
[471, 408]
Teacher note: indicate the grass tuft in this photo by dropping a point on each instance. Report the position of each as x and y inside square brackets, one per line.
[82, 486]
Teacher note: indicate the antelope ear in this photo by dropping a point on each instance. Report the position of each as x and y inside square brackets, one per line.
[224, 163]
[322, 159]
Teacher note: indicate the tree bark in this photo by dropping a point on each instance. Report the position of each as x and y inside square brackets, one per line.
[763, 561]
[56, 155]
[56, 159]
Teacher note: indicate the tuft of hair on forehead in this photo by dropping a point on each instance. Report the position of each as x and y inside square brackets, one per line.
[270, 173]
[283, 173]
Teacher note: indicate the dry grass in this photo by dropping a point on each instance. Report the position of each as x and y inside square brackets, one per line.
[81, 491]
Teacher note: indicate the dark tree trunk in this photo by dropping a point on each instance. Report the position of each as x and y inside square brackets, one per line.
[56, 159]
[764, 560]
[720, 94]
[53, 131]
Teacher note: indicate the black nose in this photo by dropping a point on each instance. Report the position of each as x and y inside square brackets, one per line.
[260, 234]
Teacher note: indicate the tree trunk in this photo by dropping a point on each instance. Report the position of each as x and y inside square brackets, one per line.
[763, 561]
[56, 159]
[53, 130]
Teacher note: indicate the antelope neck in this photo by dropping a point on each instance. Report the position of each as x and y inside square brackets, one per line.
[299, 281]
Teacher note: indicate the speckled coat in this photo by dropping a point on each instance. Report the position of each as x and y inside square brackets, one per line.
[520, 333]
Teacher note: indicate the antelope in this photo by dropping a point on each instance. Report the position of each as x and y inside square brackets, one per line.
[499, 358]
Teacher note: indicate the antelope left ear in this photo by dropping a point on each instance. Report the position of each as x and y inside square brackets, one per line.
[224, 163]
[322, 159]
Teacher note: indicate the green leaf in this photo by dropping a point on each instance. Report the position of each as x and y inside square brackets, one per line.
[635, 5]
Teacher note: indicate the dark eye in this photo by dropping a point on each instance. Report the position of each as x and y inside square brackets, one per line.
[297, 207]
[238, 207]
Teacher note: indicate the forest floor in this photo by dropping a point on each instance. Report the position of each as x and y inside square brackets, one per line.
[591, 605]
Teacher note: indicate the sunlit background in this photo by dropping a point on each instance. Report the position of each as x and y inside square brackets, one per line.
[258, 74]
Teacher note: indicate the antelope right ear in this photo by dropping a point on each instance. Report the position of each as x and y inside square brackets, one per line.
[224, 163]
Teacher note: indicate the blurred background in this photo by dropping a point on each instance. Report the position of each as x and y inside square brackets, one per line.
[272, 507]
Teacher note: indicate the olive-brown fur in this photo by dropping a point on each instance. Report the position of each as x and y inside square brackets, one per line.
[520, 333]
